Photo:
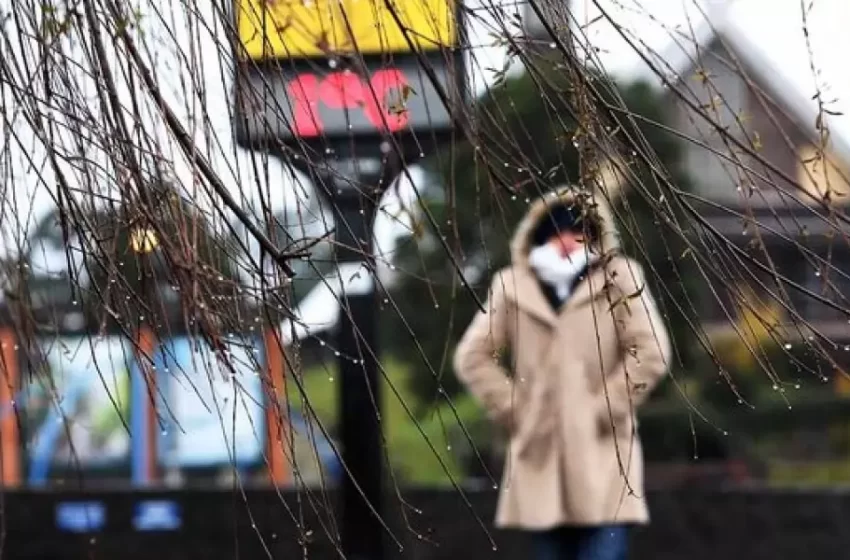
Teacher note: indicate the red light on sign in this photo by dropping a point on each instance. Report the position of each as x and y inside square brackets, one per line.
[346, 90]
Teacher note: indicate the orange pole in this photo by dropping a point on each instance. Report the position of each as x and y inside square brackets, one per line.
[145, 348]
[10, 443]
[276, 415]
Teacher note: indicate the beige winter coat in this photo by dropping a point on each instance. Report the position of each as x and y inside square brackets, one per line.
[575, 380]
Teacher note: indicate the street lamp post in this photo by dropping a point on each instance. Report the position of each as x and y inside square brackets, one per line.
[356, 190]
[341, 122]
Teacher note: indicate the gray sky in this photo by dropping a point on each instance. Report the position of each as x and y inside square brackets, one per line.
[773, 29]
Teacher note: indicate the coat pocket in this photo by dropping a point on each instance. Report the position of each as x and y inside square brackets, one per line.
[605, 418]
[610, 424]
[536, 429]
[607, 423]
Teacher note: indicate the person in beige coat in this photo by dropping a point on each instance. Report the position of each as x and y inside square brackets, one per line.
[586, 345]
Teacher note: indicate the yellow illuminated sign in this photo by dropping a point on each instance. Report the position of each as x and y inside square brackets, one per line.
[317, 28]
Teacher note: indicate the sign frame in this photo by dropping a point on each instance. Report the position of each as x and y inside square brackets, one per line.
[345, 28]
[421, 137]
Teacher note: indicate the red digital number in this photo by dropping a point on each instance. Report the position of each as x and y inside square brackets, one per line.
[304, 92]
[346, 90]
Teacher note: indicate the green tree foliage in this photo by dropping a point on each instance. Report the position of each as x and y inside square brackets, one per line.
[526, 133]
[427, 451]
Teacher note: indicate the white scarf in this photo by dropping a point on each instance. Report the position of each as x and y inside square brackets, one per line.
[559, 272]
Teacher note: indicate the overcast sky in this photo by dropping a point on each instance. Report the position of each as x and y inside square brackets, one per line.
[177, 49]
[772, 29]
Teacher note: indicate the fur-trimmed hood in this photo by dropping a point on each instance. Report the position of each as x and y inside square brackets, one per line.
[593, 206]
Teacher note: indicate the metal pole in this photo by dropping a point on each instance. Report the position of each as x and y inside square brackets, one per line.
[355, 197]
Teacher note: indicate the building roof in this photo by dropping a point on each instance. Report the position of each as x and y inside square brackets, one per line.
[767, 36]
[799, 107]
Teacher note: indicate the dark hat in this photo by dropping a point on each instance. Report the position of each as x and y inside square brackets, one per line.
[561, 218]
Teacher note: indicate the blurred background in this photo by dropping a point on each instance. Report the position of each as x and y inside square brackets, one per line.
[151, 342]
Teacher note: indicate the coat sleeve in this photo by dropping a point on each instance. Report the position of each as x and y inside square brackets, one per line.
[476, 360]
[645, 344]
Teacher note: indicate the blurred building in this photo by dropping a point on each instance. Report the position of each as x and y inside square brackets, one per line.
[781, 203]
